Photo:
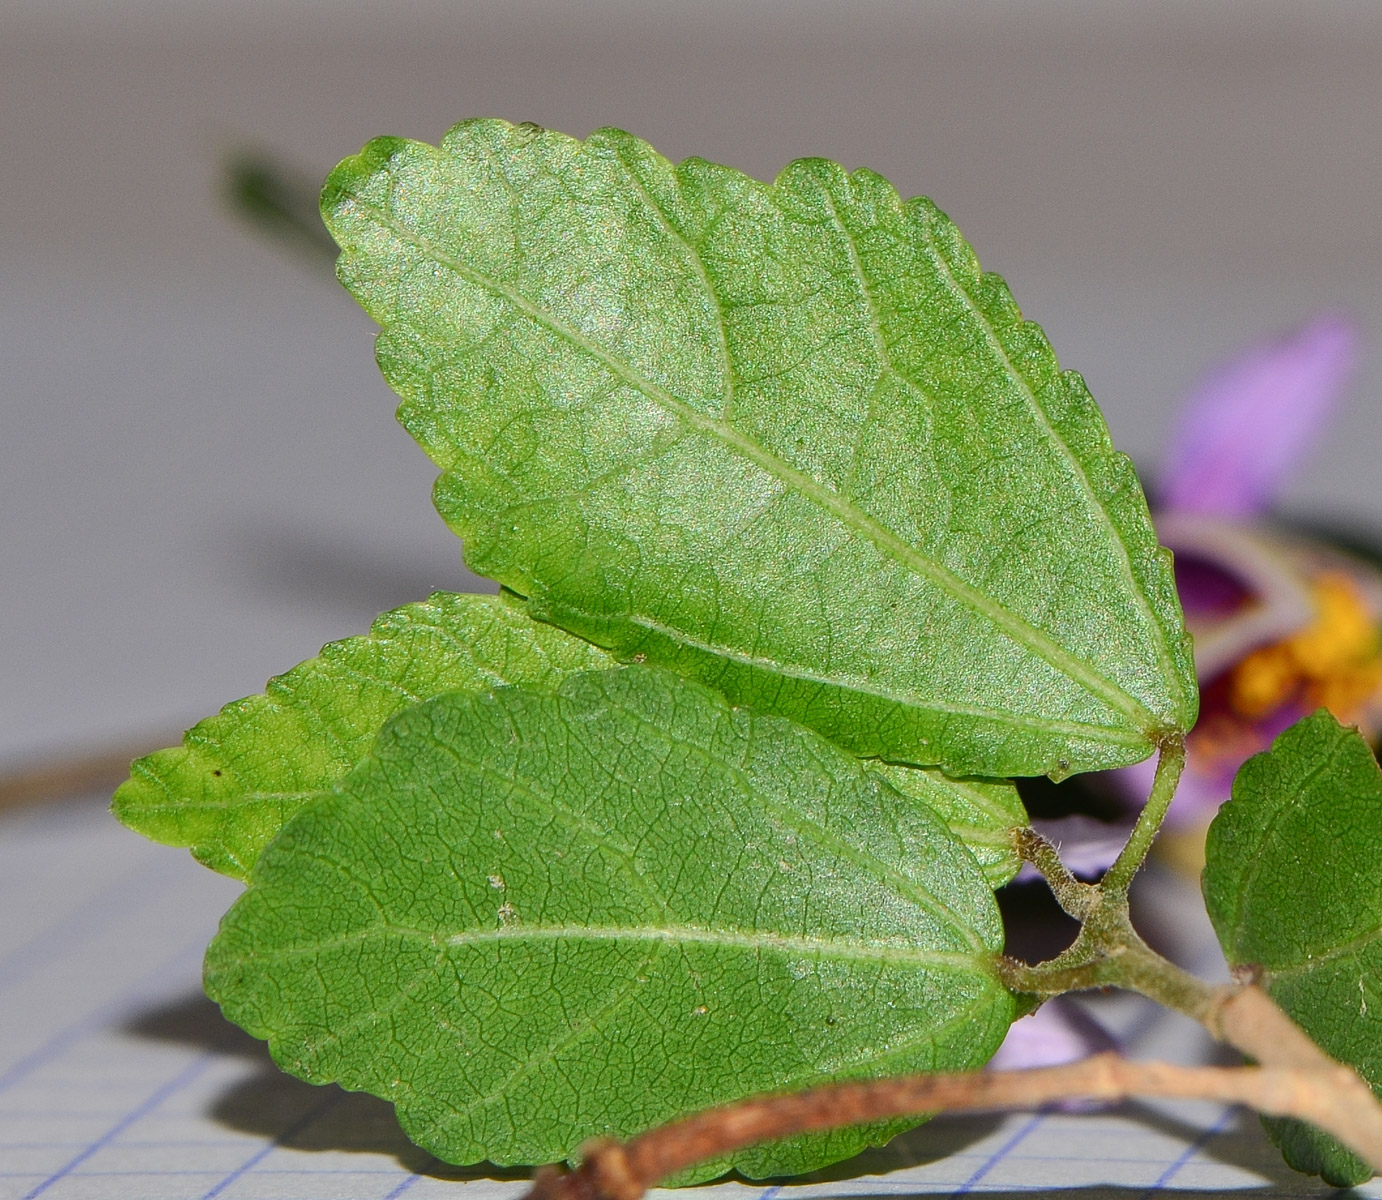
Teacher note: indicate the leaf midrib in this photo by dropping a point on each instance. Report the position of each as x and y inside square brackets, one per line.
[1354, 945]
[752, 941]
[1076, 467]
[1014, 627]
[1101, 733]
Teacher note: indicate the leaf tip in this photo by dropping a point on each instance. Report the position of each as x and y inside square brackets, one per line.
[341, 183]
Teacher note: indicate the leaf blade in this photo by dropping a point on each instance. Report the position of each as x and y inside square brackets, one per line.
[683, 903]
[705, 463]
[984, 814]
[1312, 799]
[240, 775]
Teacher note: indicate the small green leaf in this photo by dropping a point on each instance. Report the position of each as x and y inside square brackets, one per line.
[1293, 883]
[238, 776]
[982, 813]
[785, 438]
[531, 918]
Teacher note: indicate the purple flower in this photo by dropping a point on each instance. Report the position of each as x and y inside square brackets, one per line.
[1249, 423]
[1282, 624]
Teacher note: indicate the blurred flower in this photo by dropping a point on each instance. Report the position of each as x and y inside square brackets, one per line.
[1249, 422]
[1283, 624]
[1303, 636]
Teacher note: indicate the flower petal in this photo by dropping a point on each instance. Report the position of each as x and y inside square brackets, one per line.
[1247, 425]
[1214, 555]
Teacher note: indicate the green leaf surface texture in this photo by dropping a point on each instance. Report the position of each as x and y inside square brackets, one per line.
[785, 438]
[982, 813]
[529, 918]
[238, 776]
[1293, 884]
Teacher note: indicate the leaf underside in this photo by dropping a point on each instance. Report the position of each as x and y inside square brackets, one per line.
[784, 438]
[240, 775]
[530, 918]
[1293, 884]
[982, 813]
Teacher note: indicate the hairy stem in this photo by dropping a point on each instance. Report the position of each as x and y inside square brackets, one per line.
[1168, 768]
[1327, 1097]
[1076, 898]
[1109, 953]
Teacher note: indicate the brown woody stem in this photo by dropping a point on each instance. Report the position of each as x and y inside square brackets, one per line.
[65, 776]
[1329, 1096]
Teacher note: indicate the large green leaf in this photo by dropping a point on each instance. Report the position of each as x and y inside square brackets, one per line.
[530, 918]
[1293, 883]
[238, 776]
[787, 439]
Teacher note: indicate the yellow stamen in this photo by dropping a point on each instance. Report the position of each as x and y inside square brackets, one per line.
[1343, 633]
[1263, 681]
[1334, 662]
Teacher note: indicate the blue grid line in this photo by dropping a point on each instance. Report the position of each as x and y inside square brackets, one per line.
[1189, 1152]
[95, 1019]
[88, 919]
[177, 1083]
[404, 1186]
[141, 1173]
[274, 1143]
[998, 1155]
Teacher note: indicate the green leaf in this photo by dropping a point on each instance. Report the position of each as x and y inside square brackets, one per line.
[238, 776]
[786, 439]
[1293, 883]
[531, 918]
[982, 813]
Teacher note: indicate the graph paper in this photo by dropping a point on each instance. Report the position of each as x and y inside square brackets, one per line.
[118, 1079]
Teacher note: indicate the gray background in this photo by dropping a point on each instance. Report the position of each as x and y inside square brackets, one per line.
[200, 478]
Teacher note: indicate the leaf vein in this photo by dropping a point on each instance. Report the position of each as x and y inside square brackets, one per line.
[1009, 623]
[1073, 463]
